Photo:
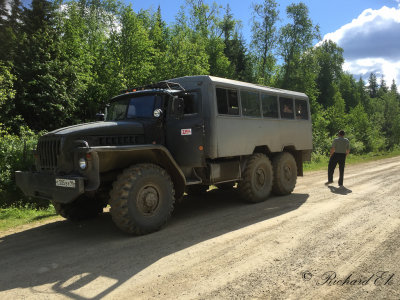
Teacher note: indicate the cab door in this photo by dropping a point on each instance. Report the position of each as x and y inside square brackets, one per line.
[185, 130]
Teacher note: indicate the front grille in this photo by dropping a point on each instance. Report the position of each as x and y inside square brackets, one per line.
[48, 149]
[120, 140]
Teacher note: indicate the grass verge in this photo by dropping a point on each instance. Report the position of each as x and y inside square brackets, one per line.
[16, 216]
[321, 162]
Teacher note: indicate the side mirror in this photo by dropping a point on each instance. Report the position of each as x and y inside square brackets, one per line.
[100, 117]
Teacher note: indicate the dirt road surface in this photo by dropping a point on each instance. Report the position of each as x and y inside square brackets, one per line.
[318, 243]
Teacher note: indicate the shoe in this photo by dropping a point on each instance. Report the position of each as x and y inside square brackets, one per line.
[328, 182]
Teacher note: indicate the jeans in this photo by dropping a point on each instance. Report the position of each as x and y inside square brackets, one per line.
[337, 158]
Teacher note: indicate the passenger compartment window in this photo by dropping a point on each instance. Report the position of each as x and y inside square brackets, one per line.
[286, 107]
[250, 104]
[227, 101]
[269, 106]
[301, 109]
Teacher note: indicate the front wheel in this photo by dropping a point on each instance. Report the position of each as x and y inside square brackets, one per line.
[256, 182]
[142, 199]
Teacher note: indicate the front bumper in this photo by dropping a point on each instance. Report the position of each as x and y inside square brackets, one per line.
[47, 186]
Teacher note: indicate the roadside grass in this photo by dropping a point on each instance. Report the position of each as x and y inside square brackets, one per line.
[18, 216]
[15, 216]
[321, 162]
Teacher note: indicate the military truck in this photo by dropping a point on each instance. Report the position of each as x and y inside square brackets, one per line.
[157, 141]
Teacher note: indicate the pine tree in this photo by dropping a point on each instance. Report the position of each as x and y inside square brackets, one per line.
[383, 89]
[235, 49]
[330, 61]
[349, 90]
[43, 76]
[373, 85]
[362, 91]
[4, 34]
[393, 87]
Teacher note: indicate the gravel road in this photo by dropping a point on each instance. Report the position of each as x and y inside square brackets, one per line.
[318, 243]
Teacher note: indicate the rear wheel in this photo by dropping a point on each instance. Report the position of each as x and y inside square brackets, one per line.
[256, 182]
[142, 199]
[285, 173]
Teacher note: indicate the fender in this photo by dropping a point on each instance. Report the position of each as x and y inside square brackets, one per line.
[120, 157]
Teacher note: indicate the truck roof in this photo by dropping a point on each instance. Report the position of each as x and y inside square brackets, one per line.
[219, 80]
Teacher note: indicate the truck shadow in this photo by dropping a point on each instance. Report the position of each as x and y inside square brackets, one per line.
[68, 257]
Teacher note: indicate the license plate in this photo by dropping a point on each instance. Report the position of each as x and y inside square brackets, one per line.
[68, 183]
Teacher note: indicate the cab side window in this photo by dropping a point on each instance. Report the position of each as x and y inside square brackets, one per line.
[227, 101]
[191, 104]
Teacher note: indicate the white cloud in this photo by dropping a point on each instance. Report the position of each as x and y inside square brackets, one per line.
[371, 43]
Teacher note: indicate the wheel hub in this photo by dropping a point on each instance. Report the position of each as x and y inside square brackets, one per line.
[260, 178]
[287, 171]
[148, 200]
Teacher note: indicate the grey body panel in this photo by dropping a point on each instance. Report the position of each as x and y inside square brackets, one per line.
[228, 136]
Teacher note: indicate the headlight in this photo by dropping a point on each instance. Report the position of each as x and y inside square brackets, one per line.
[82, 163]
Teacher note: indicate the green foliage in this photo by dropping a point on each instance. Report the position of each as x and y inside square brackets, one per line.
[61, 62]
[15, 154]
[321, 140]
[330, 60]
[241, 66]
[336, 114]
[349, 91]
[264, 36]
[391, 123]
[185, 56]
[372, 85]
[295, 39]
[366, 135]
[7, 92]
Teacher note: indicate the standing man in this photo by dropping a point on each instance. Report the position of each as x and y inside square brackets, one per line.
[340, 149]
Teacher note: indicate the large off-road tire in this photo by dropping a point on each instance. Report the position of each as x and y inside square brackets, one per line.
[196, 190]
[256, 182]
[285, 173]
[142, 199]
[80, 209]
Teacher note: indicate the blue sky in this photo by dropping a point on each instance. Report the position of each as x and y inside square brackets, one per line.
[367, 30]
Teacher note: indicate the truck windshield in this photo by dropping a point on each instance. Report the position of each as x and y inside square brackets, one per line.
[129, 108]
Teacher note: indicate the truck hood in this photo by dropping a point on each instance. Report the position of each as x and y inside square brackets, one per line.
[101, 129]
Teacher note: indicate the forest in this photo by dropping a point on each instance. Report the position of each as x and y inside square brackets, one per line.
[61, 62]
